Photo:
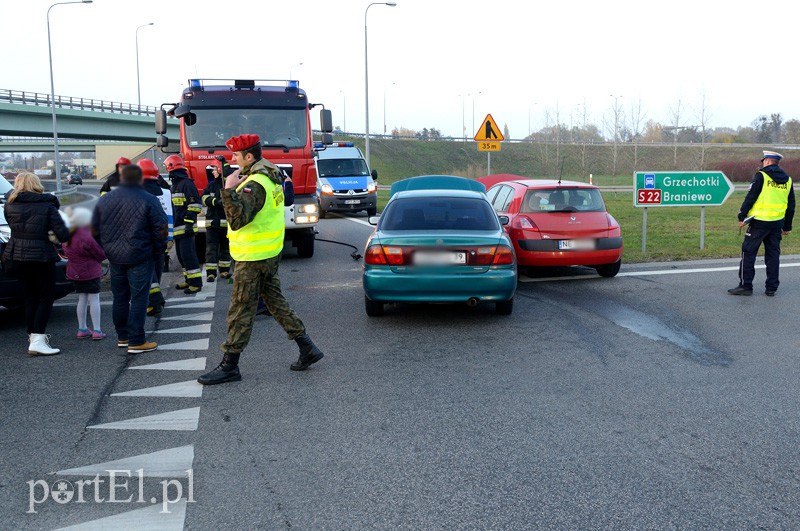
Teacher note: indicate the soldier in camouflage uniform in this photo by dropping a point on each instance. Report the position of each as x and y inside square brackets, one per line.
[253, 202]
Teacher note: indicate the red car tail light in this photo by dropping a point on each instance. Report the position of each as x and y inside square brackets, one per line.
[524, 223]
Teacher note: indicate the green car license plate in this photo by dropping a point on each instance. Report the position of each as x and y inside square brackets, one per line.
[439, 258]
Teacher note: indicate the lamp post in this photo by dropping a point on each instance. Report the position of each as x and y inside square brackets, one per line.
[366, 74]
[138, 85]
[53, 90]
[463, 124]
[473, 108]
[344, 111]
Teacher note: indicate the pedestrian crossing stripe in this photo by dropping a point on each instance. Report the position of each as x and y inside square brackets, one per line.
[195, 329]
[204, 316]
[170, 463]
[145, 519]
[190, 389]
[488, 131]
[199, 304]
[178, 420]
[192, 364]
[195, 344]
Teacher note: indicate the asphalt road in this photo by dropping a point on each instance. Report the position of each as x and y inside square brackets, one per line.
[651, 400]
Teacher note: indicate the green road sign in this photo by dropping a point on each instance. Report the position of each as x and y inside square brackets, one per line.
[680, 188]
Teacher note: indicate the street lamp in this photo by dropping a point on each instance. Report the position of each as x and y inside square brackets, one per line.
[366, 73]
[53, 89]
[344, 111]
[292, 68]
[463, 125]
[384, 108]
[138, 87]
[473, 108]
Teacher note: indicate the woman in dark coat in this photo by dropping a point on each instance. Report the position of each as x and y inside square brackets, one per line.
[32, 215]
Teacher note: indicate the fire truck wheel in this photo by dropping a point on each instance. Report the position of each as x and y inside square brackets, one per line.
[305, 245]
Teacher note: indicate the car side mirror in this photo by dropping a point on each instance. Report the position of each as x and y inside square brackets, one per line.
[373, 220]
[504, 220]
[374, 174]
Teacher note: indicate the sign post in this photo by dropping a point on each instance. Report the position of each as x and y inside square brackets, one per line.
[488, 136]
[680, 188]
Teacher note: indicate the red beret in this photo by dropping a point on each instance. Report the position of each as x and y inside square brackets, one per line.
[242, 142]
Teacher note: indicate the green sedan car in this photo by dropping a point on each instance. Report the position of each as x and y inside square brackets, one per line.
[439, 240]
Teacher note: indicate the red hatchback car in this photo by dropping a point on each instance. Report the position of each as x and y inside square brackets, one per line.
[557, 223]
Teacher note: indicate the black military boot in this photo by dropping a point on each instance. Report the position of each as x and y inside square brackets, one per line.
[226, 371]
[309, 353]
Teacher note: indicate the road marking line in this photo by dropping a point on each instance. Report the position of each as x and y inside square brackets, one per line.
[139, 519]
[202, 304]
[205, 316]
[193, 364]
[188, 389]
[170, 463]
[354, 220]
[178, 420]
[523, 278]
[195, 344]
[195, 329]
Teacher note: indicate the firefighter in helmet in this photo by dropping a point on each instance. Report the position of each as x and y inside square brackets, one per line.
[185, 207]
[218, 255]
[151, 184]
[113, 179]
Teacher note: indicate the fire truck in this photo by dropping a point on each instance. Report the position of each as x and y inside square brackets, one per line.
[213, 110]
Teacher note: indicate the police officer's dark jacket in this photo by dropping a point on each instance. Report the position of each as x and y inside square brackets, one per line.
[185, 202]
[215, 213]
[130, 225]
[777, 174]
[30, 216]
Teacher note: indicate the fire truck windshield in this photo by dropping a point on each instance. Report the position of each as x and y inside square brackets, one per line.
[286, 127]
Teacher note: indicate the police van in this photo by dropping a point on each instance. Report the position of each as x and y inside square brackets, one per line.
[344, 181]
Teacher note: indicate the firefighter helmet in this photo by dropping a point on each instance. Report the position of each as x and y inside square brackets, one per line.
[174, 162]
[149, 168]
[123, 160]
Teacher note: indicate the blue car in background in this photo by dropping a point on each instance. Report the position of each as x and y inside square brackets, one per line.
[439, 240]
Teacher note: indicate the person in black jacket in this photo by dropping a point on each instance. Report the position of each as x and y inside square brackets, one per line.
[31, 215]
[185, 207]
[131, 226]
[113, 179]
[218, 252]
[768, 208]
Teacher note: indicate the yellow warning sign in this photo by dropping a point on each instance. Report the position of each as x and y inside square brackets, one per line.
[488, 131]
[488, 146]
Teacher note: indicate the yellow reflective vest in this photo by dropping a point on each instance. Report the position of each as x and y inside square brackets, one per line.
[262, 238]
[772, 201]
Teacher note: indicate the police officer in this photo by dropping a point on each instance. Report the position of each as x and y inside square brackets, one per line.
[185, 207]
[769, 209]
[113, 179]
[217, 250]
[152, 183]
[253, 200]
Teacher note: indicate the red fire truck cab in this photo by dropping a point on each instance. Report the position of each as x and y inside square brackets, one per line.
[212, 110]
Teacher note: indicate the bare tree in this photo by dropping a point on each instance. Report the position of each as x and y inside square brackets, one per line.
[636, 123]
[557, 132]
[703, 116]
[676, 116]
[584, 116]
[613, 125]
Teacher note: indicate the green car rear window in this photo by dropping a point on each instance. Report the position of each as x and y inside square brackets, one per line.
[439, 213]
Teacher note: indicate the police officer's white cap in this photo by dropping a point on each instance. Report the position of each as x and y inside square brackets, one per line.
[772, 155]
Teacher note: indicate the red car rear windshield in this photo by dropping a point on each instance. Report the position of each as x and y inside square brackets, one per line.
[563, 200]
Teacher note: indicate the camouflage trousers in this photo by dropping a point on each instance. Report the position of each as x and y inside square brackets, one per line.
[251, 280]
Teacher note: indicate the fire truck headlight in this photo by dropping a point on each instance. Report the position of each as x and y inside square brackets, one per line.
[309, 208]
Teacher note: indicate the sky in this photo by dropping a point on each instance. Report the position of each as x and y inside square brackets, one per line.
[435, 63]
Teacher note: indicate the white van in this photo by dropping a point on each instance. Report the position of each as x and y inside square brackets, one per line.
[344, 181]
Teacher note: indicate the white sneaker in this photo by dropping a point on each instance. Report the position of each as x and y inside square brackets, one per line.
[40, 346]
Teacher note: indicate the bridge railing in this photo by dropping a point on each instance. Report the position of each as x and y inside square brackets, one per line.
[69, 102]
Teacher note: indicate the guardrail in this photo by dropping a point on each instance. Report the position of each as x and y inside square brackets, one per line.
[69, 102]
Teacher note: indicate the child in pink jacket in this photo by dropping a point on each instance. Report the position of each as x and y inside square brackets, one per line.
[84, 268]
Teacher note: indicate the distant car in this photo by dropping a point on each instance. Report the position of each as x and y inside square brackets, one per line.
[438, 240]
[12, 292]
[557, 223]
[74, 179]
